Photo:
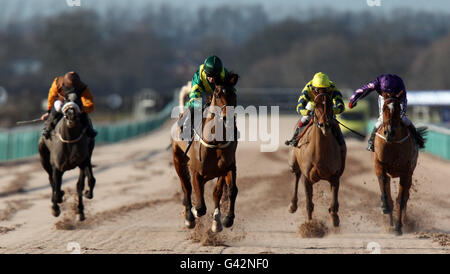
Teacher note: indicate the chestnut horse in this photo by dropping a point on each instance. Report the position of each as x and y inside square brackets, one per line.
[318, 156]
[395, 156]
[210, 157]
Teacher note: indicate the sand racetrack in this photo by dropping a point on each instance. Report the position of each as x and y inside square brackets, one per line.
[137, 206]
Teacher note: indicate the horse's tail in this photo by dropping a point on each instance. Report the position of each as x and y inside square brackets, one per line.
[422, 133]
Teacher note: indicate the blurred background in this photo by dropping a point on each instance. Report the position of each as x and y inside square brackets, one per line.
[135, 54]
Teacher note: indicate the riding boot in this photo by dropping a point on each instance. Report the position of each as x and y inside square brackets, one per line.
[50, 123]
[86, 122]
[419, 139]
[293, 141]
[370, 146]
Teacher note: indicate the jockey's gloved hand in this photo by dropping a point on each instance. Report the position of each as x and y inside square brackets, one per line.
[45, 116]
[310, 106]
[352, 104]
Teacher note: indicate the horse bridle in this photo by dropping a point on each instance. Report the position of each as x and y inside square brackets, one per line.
[386, 123]
[219, 145]
[64, 110]
[324, 110]
[386, 102]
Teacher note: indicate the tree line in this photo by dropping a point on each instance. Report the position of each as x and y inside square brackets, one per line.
[161, 49]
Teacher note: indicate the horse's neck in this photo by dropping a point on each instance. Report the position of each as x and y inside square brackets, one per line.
[320, 141]
[66, 132]
[400, 130]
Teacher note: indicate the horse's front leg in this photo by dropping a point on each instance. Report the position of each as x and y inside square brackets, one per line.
[91, 181]
[402, 200]
[384, 181]
[294, 200]
[309, 197]
[80, 188]
[230, 179]
[334, 207]
[199, 187]
[217, 195]
[57, 195]
[180, 163]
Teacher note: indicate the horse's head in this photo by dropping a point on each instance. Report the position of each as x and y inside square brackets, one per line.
[224, 94]
[323, 111]
[391, 114]
[71, 111]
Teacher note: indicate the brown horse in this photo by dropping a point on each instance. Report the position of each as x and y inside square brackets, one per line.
[318, 156]
[210, 158]
[395, 156]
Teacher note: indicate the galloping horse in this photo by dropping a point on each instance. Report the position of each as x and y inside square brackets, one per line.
[395, 156]
[68, 148]
[318, 156]
[209, 158]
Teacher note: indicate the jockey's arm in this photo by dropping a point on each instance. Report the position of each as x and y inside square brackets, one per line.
[196, 90]
[52, 95]
[303, 101]
[88, 101]
[364, 91]
[338, 103]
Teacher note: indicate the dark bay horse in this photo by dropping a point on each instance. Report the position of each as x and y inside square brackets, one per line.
[210, 158]
[68, 148]
[395, 156]
[318, 156]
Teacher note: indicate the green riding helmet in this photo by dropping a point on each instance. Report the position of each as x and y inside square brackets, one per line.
[213, 66]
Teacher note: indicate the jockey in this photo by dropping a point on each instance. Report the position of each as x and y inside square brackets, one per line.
[210, 72]
[319, 83]
[392, 84]
[61, 87]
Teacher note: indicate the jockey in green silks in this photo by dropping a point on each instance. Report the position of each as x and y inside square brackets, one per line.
[208, 74]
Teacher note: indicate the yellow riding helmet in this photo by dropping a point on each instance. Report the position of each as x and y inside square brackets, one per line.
[321, 80]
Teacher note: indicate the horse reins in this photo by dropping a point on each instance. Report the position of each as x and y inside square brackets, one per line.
[71, 141]
[325, 108]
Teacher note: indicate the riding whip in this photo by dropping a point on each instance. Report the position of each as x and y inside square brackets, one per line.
[28, 122]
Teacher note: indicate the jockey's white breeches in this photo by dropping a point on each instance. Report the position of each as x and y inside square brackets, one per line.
[58, 105]
[405, 118]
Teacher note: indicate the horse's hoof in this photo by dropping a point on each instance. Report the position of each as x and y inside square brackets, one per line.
[398, 231]
[228, 221]
[216, 227]
[198, 212]
[88, 194]
[292, 208]
[189, 224]
[81, 217]
[335, 220]
[56, 212]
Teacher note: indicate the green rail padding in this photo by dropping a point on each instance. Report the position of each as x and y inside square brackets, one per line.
[17, 144]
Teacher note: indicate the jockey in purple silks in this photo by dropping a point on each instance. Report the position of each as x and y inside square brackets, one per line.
[392, 84]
